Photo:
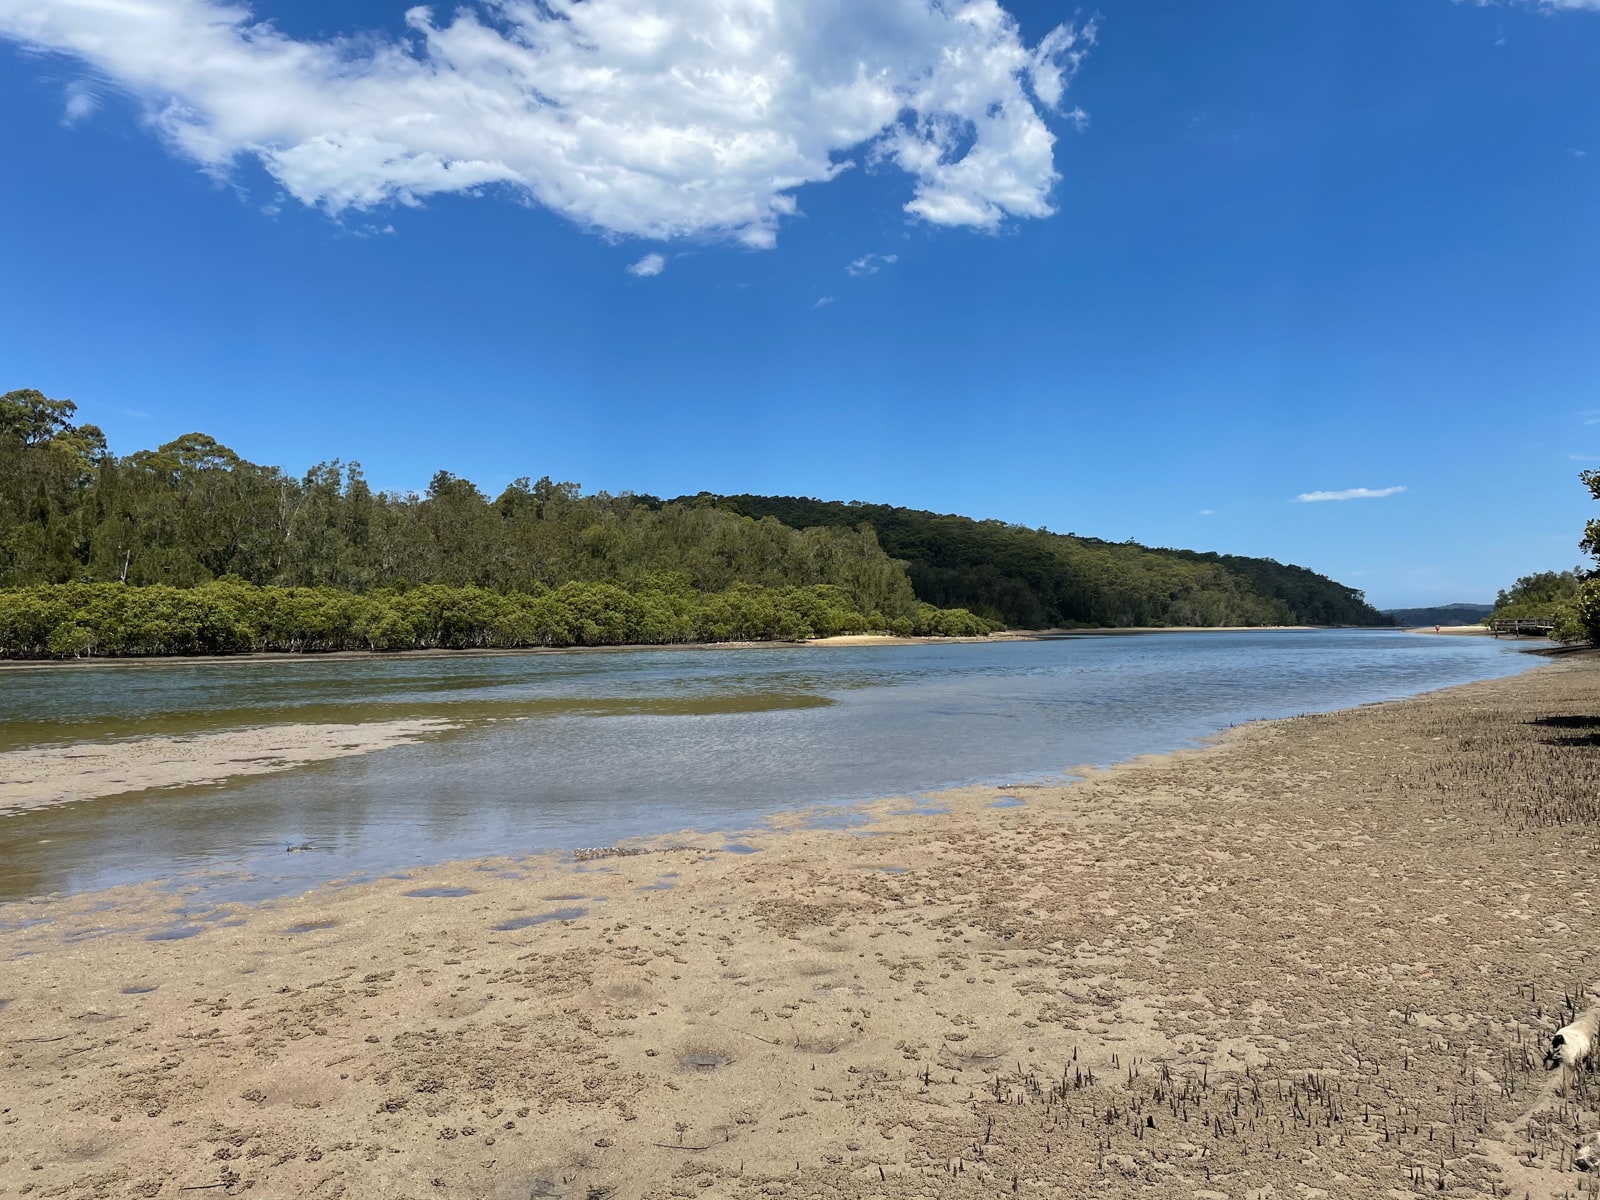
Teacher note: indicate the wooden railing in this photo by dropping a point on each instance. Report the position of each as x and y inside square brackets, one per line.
[1540, 626]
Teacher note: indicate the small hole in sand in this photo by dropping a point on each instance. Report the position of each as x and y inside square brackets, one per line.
[139, 989]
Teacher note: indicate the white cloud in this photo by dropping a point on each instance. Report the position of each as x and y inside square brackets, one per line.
[1208, 512]
[871, 264]
[82, 101]
[823, 302]
[650, 264]
[652, 118]
[1348, 494]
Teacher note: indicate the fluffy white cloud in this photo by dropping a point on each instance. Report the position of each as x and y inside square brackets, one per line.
[1349, 494]
[650, 264]
[871, 264]
[655, 118]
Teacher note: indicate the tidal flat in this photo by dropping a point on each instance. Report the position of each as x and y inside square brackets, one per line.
[182, 770]
[1318, 957]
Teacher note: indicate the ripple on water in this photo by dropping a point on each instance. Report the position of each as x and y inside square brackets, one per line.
[428, 893]
[560, 914]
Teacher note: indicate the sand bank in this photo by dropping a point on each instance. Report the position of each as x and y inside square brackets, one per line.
[1452, 630]
[39, 778]
[1314, 960]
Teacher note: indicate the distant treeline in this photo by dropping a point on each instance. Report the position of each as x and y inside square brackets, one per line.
[1035, 579]
[1442, 614]
[230, 617]
[192, 512]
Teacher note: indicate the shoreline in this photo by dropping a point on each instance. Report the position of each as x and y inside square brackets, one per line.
[850, 639]
[1311, 922]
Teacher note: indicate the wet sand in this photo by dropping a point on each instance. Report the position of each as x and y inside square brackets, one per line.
[1316, 959]
[51, 775]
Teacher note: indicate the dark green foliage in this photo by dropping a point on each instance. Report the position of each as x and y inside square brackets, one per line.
[192, 511]
[191, 549]
[230, 617]
[1537, 595]
[226, 555]
[1034, 579]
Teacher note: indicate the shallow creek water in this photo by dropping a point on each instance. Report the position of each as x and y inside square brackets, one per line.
[555, 751]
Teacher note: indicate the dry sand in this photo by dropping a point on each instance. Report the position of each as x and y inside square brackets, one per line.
[42, 777]
[1315, 960]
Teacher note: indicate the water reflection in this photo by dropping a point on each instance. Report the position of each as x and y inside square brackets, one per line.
[624, 744]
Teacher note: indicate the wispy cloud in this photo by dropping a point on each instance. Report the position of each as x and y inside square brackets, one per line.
[1348, 494]
[871, 264]
[82, 101]
[647, 118]
[650, 264]
[1208, 512]
[823, 302]
[1583, 457]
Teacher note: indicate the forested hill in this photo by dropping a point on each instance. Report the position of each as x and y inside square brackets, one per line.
[1034, 579]
[193, 513]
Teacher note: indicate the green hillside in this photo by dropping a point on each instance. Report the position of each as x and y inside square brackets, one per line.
[1440, 614]
[1034, 579]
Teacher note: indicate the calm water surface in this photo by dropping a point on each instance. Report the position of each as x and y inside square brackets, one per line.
[565, 750]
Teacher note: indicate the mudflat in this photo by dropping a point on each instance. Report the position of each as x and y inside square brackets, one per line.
[1317, 958]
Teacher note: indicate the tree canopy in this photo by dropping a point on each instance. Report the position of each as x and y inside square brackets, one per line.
[1035, 579]
[203, 535]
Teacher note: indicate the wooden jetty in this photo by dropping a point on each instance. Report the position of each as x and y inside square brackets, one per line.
[1523, 627]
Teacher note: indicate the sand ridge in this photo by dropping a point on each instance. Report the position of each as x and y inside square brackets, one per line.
[41, 777]
[1315, 959]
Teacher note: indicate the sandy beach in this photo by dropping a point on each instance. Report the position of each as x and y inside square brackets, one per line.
[1316, 959]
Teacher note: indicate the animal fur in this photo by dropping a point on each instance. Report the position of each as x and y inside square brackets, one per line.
[1574, 1044]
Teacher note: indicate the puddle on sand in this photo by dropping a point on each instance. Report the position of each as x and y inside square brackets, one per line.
[311, 926]
[176, 934]
[740, 848]
[703, 1060]
[1009, 802]
[660, 885]
[427, 893]
[140, 989]
[884, 870]
[560, 914]
[558, 899]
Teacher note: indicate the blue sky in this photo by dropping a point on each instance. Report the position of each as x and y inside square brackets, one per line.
[1274, 249]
